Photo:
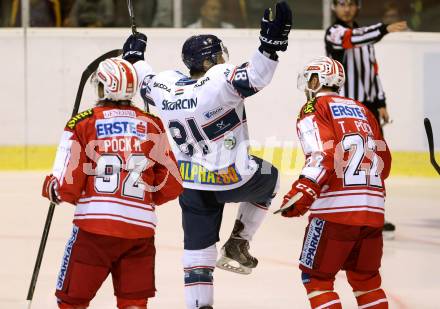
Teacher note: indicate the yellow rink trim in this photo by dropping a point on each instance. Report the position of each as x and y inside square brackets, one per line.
[288, 161]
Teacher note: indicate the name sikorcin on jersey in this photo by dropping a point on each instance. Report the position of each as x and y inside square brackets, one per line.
[206, 119]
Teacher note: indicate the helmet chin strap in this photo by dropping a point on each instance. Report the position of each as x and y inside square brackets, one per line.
[311, 93]
[213, 61]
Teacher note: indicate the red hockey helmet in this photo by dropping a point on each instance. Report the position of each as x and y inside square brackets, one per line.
[117, 78]
[330, 74]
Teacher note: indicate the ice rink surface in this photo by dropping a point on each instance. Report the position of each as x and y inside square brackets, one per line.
[410, 268]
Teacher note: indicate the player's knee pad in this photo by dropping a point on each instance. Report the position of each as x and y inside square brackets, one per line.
[324, 299]
[312, 283]
[124, 303]
[364, 281]
[201, 275]
[375, 299]
[199, 267]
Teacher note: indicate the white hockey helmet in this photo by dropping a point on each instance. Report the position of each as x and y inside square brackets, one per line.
[115, 80]
[330, 73]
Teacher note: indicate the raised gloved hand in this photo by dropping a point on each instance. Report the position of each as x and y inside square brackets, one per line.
[134, 47]
[274, 32]
[299, 199]
[50, 188]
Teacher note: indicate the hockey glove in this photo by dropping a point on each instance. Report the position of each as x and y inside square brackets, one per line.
[299, 199]
[274, 32]
[50, 188]
[134, 47]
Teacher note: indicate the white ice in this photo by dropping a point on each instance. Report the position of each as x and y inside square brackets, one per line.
[410, 268]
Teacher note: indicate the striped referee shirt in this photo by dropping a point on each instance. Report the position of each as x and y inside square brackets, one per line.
[354, 48]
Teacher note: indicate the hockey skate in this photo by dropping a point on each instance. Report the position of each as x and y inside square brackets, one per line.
[235, 253]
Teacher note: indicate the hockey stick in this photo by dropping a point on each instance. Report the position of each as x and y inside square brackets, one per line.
[430, 136]
[131, 13]
[290, 204]
[134, 31]
[85, 76]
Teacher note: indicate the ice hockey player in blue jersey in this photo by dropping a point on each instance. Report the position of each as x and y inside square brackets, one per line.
[204, 114]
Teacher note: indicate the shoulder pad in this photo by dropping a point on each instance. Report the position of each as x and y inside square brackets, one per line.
[309, 107]
[79, 117]
[225, 69]
[170, 76]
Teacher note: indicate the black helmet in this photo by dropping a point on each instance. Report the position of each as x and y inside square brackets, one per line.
[201, 47]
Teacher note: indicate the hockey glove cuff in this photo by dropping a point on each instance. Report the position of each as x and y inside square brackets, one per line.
[271, 54]
[274, 33]
[50, 188]
[134, 47]
[299, 199]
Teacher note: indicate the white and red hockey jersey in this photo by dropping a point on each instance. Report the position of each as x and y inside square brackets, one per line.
[115, 164]
[347, 156]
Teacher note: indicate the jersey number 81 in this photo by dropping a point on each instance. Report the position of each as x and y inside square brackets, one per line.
[180, 136]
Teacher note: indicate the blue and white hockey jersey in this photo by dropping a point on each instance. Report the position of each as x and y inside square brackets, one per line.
[206, 119]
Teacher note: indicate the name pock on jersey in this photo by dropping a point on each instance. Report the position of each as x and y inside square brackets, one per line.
[121, 126]
[347, 109]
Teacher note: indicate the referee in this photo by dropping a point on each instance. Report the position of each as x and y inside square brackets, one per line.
[353, 46]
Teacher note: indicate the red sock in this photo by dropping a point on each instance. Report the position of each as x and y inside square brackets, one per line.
[328, 300]
[373, 300]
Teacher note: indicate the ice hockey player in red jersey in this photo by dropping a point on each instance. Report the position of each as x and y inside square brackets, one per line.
[115, 165]
[342, 186]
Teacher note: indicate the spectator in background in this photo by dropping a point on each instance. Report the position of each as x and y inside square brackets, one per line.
[164, 14]
[416, 16]
[425, 15]
[149, 13]
[66, 8]
[251, 11]
[145, 10]
[211, 16]
[308, 14]
[391, 13]
[9, 13]
[45, 13]
[91, 13]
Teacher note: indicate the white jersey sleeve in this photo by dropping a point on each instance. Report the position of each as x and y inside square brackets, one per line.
[250, 77]
[145, 75]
